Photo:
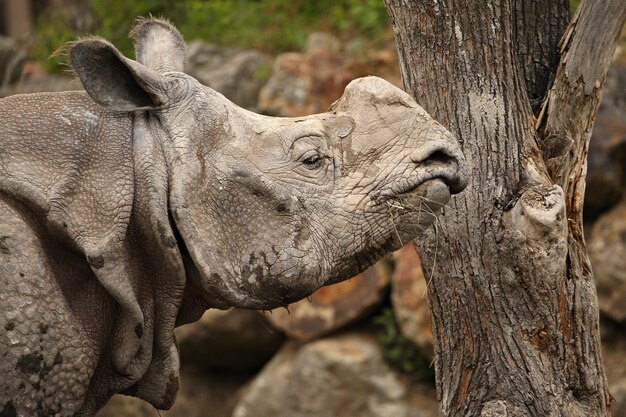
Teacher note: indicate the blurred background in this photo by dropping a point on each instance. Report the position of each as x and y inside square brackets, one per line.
[362, 347]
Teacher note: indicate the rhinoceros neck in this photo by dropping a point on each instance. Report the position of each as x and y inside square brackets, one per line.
[157, 166]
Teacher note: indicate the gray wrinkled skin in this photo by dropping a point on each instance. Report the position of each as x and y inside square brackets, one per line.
[131, 209]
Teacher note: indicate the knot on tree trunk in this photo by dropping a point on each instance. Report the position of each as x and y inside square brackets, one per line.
[539, 214]
[575, 409]
[496, 408]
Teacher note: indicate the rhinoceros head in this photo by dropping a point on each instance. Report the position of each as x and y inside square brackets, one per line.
[270, 209]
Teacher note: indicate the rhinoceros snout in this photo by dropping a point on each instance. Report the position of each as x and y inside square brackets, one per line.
[443, 160]
[389, 117]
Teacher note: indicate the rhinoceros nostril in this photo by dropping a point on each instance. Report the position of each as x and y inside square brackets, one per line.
[445, 163]
[440, 157]
[436, 156]
[434, 152]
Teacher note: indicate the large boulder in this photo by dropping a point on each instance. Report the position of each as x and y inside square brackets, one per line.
[234, 340]
[19, 74]
[335, 306]
[340, 376]
[237, 73]
[303, 84]
[309, 82]
[605, 165]
[410, 301]
[33, 78]
[607, 149]
[614, 355]
[607, 251]
[37, 83]
[12, 60]
[614, 92]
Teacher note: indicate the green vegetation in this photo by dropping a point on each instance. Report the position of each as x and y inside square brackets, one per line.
[52, 33]
[270, 25]
[399, 351]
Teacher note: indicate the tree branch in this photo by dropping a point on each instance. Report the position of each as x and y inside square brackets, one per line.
[567, 118]
[564, 127]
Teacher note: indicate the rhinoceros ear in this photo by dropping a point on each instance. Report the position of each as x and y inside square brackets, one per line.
[114, 81]
[158, 45]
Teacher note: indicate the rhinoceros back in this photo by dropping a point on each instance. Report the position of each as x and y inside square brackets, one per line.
[55, 145]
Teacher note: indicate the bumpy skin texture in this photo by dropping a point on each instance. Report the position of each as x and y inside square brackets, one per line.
[131, 208]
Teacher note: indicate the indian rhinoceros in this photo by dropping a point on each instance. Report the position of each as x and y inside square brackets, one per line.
[132, 208]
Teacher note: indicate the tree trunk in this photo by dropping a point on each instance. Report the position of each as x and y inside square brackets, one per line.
[514, 308]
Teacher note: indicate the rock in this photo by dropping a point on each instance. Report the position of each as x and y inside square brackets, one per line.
[614, 92]
[614, 355]
[356, 48]
[303, 84]
[123, 406]
[40, 83]
[237, 73]
[607, 251]
[322, 42]
[238, 340]
[309, 82]
[340, 376]
[201, 394]
[12, 60]
[618, 391]
[410, 301]
[607, 149]
[605, 172]
[35, 79]
[335, 306]
[363, 60]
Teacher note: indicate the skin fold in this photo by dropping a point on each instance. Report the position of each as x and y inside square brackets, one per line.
[133, 207]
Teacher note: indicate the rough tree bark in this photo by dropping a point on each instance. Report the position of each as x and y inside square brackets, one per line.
[514, 308]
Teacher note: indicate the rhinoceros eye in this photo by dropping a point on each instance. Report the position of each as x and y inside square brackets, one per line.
[312, 160]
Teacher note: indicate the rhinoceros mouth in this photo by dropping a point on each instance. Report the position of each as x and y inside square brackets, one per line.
[430, 195]
[418, 186]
